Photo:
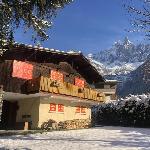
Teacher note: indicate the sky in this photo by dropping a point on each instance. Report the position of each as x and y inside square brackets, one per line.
[88, 26]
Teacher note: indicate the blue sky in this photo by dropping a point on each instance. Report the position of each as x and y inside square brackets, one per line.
[88, 26]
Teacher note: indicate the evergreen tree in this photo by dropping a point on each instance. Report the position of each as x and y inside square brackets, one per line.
[31, 14]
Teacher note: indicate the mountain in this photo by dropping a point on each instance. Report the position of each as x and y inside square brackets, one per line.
[120, 63]
[138, 81]
[125, 51]
[122, 58]
[116, 68]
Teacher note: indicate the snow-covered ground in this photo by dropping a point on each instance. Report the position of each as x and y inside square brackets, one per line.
[100, 138]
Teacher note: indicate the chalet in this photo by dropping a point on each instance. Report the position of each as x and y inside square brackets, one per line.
[40, 84]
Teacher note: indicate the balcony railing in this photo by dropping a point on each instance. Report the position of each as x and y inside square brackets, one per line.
[108, 91]
[44, 84]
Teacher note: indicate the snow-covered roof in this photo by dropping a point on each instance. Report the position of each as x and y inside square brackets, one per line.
[114, 82]
[40, 48]
[41, 54]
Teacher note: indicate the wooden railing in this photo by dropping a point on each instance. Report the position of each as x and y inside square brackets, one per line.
[64, 88]
[44, 84]
[111, 91]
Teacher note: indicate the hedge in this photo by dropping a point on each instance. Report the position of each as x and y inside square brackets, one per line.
[134, 110]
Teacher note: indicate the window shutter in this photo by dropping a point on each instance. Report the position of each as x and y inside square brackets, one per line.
[77, 109]
[22, 70]
[83, 110]
[52, 107]
[79, 82]
[60, 108]
[56, 75]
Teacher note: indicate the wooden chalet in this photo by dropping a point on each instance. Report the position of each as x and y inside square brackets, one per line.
[41, 84]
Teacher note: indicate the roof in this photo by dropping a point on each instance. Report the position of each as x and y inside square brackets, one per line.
[25, 52]
[112, 81]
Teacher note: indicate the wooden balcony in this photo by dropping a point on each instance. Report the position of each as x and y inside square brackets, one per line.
[107, 91]
[44, 84]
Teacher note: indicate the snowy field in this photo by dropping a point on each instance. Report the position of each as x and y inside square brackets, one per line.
[100, 138]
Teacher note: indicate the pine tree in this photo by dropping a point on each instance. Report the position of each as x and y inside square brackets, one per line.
[31, 14]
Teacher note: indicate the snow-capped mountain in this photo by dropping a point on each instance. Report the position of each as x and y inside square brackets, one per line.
[124, 51]
[122, 58]
[120, 62]
[138, 81]
[116, 68]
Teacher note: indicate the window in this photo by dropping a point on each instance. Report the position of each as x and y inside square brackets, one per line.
[56, 107]
[77, 109]
[52, 107]
[83, 110]
[60, 108]
[80, 109]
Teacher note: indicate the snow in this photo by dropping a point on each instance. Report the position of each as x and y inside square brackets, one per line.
[90, 56]
[100, 138]
[111, 81]
[71, 52]
[116, 68]
[121, 58]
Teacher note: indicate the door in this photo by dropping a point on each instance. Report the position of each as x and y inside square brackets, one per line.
[9, 113]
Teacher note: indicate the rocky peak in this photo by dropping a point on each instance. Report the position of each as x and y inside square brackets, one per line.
[122, 58]
[127, 41]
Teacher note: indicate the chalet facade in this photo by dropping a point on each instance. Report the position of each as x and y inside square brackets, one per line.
[40, 84]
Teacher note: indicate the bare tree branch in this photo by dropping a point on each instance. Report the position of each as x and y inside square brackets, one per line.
[139, 11]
